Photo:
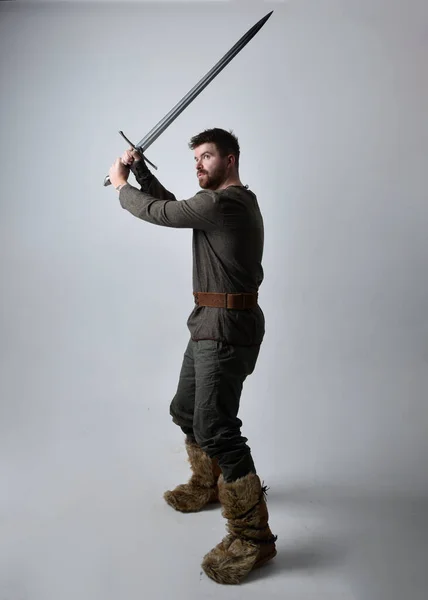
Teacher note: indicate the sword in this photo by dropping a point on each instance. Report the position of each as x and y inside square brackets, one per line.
[166, 121]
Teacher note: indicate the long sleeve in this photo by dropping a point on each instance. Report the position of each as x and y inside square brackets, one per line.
[149, 183]
[202, 211]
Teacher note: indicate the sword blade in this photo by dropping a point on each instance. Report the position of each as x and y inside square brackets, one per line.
[170, 117]
[200, 86]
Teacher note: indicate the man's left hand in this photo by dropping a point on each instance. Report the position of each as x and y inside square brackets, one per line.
[118, 173]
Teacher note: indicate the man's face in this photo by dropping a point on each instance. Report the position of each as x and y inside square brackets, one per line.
[211, 168]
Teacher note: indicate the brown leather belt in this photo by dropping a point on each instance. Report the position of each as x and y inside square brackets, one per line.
[220, 300]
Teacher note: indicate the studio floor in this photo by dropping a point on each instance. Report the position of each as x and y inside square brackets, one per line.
[99, 529]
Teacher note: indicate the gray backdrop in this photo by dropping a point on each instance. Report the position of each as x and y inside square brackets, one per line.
[329, 104]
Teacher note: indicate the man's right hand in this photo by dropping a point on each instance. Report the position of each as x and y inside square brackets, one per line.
[130, 156]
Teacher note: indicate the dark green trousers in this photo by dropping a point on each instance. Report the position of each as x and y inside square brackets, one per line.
[207, 400]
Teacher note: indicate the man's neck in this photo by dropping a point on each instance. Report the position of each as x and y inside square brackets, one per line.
[230, 181]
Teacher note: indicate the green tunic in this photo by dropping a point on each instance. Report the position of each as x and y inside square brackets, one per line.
[228, 239]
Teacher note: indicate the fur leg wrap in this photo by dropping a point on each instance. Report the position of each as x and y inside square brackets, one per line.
[201, 488]
[250, 542]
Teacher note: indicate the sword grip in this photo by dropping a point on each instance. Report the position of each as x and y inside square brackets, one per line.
[107, 181]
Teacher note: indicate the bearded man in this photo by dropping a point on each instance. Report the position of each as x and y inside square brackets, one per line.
[227, 328]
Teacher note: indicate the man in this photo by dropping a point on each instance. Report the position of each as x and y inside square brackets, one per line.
[227, 328]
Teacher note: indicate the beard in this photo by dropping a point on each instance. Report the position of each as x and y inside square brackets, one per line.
[213, 180]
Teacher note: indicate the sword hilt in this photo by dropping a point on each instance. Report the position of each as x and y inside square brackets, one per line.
[107, 181]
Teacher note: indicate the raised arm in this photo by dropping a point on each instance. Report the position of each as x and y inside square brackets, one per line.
[202, 211]
[145, 178]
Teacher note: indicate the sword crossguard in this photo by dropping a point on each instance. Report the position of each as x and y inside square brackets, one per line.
[138, 149]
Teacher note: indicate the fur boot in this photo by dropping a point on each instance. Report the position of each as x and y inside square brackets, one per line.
[201, 488]
[249, 543]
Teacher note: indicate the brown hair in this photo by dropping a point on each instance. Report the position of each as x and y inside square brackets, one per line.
[225, 141]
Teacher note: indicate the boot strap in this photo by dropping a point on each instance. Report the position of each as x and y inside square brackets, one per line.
[270, 540]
